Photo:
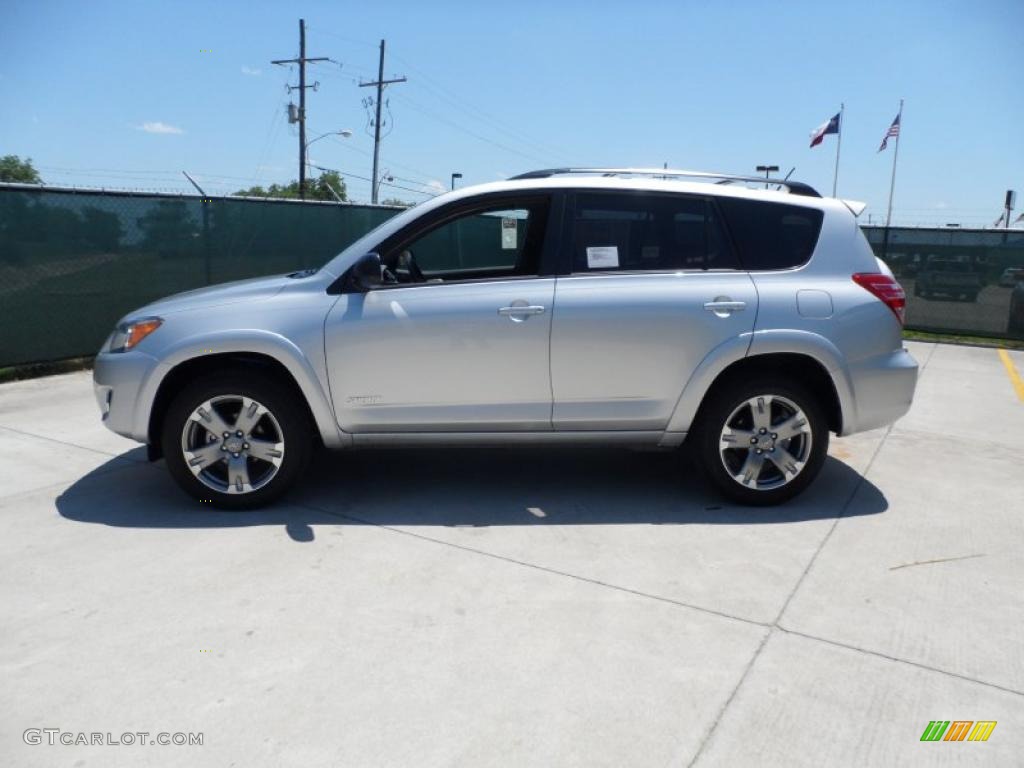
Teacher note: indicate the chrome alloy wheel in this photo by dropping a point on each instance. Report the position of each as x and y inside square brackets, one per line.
[766, 442]
[233, 444]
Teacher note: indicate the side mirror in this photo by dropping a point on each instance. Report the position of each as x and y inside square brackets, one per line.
[365, 274]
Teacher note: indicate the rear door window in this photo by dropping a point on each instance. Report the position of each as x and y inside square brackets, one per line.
[771, 235]
[642, 232]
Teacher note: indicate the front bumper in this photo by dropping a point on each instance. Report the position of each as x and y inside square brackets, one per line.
[883, 389]
[120, 385]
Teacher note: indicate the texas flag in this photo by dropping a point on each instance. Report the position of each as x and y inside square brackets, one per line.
[818, 134]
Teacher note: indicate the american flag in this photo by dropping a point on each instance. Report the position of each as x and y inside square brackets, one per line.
[894, 130]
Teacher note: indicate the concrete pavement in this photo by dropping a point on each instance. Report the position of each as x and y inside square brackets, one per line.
[520, 607]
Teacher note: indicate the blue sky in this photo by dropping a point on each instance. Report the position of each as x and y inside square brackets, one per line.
[124, 95]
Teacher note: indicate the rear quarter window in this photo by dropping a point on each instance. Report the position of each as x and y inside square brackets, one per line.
[771, 235]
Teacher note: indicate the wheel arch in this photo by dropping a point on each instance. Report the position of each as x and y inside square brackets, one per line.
[268, 356]
[807, 360]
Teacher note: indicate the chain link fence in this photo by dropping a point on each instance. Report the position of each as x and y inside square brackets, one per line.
[72, 262]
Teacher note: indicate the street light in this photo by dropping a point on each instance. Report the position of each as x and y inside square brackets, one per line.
[454, 177]
[344, 133]
[767, 170]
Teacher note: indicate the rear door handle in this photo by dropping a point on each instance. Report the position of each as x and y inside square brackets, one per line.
[723, 307]
[525, 309]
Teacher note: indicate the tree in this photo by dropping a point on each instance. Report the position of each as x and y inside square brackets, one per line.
[396, 201]
[316, 189]
[13, 168]
[168, 228]
[101, 229]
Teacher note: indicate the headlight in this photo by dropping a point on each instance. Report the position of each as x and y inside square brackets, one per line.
[127, 335]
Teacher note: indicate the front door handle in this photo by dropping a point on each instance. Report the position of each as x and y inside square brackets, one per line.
[723, 307]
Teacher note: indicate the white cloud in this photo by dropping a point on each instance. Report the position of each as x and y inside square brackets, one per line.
[941, 205]
[252, 71]
[435, 187]
[158, 127]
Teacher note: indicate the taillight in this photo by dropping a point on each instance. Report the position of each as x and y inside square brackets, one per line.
[885, 288]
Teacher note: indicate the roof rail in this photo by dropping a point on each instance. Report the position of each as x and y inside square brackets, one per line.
[794, 187]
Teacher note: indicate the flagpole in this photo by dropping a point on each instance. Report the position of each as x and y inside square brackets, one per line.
[892, 184]
[839, 141]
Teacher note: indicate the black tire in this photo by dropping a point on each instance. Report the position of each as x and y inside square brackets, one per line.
[722, 403]
[288, 417]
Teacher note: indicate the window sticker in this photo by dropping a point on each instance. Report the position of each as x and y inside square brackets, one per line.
[509, 232]
[603, 257]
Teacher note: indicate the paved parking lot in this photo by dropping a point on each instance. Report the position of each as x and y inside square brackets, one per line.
[520, 607]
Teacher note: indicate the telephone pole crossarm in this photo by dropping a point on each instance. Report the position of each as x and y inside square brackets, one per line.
[385, 82]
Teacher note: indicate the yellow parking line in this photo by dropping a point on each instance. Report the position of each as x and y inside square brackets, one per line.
[1011, 371]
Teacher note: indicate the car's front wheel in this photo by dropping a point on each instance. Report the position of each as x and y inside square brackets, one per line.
[762, 441]
[236, 441]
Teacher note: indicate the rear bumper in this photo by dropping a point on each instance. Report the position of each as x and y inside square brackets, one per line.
[119, 381]
[882, 390]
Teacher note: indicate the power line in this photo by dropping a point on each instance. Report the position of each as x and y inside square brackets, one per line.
[470, 109]
[346, 174]
[448, 95]
[424, 176]
[276, 121]
[474, 134]
[438, 91]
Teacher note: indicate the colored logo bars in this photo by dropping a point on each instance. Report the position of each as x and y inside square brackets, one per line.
[958, 730]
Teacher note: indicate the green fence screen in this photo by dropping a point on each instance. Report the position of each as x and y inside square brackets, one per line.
[967, 281]
[72, 262]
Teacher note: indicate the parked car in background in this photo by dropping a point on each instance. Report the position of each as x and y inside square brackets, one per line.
[1011, 276]
[1015, 325]
[591, 306]
[946, 277]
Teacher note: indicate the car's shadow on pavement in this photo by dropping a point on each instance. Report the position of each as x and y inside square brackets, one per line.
[466, 487]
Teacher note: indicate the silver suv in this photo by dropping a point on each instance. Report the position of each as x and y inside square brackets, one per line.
[600, 306]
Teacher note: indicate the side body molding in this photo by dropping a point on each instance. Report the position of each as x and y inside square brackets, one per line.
[252, 341]
[758, 343]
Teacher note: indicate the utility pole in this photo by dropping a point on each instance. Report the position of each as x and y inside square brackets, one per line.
[379, 85]
[301, 61]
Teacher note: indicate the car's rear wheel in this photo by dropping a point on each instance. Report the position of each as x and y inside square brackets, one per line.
[762, 441]
[236, 441]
